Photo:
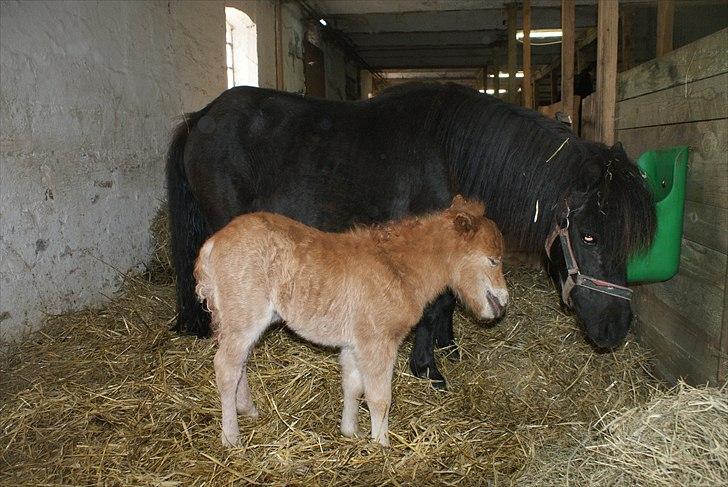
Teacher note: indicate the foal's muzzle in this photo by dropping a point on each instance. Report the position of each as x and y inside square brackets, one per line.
[498, 308]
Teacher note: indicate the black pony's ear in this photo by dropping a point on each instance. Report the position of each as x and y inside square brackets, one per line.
[589, 176]
[617, 147]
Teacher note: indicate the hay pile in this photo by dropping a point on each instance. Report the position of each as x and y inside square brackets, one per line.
[111, 396]
[680, 437]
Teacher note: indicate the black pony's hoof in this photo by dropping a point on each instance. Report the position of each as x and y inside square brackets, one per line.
[199, 330]
[431, 374]
[452, 352]
[177, 326]
[439, 385]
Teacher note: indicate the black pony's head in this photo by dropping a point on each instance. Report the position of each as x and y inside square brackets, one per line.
[608, 214]
[532, 172]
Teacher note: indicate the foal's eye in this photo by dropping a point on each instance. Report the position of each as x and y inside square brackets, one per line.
[588, 239]
[493, 262]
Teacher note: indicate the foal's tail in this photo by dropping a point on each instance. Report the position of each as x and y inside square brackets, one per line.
[188, 231]
[206, 289]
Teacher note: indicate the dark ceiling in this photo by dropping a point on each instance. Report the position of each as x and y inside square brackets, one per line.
[440, 33]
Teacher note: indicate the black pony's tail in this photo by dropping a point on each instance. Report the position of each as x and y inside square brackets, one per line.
[188, 231]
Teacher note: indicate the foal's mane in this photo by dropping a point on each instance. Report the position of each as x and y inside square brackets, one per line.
[514, 159]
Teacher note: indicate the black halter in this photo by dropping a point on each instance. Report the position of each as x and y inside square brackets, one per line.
[575, 277]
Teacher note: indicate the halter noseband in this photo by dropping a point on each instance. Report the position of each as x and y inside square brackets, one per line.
[575, 277]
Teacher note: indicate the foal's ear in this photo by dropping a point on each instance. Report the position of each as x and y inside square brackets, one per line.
[458, 203]
[474, 207]
[477, 208]
[464, 223]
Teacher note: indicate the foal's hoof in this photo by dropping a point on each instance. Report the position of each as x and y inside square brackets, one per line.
[247, 411]
[229, 441]
[350, 432]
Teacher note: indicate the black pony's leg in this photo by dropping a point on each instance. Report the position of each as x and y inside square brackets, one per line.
[444, 334]
[422, 359]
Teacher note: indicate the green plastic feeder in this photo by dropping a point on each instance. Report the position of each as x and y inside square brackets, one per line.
[666, 172]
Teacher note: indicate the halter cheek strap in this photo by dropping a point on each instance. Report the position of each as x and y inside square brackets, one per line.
[575, 277]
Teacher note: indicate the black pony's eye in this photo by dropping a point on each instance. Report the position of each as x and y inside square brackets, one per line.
[588, 239]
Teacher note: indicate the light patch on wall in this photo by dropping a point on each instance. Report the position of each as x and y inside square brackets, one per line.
[241, 46]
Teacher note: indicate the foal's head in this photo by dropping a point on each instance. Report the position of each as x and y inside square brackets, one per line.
[477, 276]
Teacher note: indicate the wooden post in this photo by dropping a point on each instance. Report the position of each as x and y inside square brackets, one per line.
[723, 357]
[512, 94]
[366, 86]
[496, 81]
[665, 17]
[607, 31]
[278, 10]
[527, 85]
[626, 14]
[567, 57]
[553, 84]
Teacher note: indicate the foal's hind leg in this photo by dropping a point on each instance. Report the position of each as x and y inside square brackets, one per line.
[230, 361]
[376, 365]
[244, 401]
[353, 388]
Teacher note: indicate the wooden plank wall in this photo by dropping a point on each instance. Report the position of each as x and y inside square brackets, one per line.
[682, 99]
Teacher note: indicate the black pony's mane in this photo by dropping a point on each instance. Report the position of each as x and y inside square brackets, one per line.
[514, 159]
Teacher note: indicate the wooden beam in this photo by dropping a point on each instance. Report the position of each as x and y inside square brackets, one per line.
[512, 11]
[665, 17]
[586, 37]
[278, 10]
[607, 31]
[567, 57]
[527, 85]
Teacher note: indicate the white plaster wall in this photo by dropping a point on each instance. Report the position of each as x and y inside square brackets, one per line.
[262, 12]
[293, 34]
[89, 93]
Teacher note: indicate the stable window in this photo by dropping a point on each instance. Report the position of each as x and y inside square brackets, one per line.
[241, 47]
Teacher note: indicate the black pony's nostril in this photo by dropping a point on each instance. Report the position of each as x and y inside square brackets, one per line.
[494, 303]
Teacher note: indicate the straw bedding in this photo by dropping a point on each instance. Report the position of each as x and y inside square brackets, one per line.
[112, 396]
[680, 437]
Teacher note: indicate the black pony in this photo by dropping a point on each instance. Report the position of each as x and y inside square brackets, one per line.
[408, 151]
